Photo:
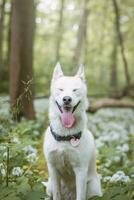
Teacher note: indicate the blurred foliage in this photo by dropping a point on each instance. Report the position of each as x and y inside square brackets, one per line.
[100, 35]
[96, 50]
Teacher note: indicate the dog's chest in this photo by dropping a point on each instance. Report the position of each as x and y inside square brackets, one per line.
[64, 159]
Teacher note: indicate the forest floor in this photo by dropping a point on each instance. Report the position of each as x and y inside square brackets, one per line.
[23, 167]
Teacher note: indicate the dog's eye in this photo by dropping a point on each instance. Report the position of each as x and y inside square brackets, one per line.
[61, 89]
[74, 90]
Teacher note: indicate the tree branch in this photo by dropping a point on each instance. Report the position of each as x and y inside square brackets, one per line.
[109, 103]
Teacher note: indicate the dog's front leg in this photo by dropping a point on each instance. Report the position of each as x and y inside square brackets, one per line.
[81, 183]
[55, 180]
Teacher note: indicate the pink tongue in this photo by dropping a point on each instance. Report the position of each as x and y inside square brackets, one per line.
[67, 119]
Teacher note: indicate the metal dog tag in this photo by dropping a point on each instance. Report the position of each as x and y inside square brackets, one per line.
[75, 142]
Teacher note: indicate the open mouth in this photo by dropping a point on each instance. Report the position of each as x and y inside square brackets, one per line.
[67, 118]
[67, 108]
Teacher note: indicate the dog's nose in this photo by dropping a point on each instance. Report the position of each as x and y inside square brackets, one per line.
[67, 100]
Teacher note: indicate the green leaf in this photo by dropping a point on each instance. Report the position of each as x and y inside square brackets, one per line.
[23, 185]
[122, 197]
[36, 195]
[12, 197]
[8, 194]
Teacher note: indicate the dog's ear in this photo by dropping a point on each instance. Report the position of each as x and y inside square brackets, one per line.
[80, 73]
[57, 72]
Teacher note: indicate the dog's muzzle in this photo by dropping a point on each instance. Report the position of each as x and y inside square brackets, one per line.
[67, 107]
[66, 116]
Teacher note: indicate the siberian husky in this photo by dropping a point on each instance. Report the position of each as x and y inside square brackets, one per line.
[68, 145]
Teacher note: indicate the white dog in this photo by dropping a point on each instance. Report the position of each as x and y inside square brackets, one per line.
[69, 146]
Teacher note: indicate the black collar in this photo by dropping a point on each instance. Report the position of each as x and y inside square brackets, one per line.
[65, 138]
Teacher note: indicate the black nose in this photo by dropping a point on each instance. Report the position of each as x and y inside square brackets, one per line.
[67, 100]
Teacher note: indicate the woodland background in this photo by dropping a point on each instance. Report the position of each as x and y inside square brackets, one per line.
[34, 35]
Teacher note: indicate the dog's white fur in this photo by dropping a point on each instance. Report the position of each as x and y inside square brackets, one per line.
[72, 170]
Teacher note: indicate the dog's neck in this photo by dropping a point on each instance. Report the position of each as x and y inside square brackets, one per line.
[55, 121]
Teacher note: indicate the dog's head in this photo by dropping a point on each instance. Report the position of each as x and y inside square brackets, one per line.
[69, 94]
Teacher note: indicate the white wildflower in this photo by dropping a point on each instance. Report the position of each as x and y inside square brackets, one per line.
[123, 149]
[132, 175]
[108, 163]
[116, 159]
[119, 177]
[131, 129]
[106, 178]
[111, 137]
[36, 133]
[5, 155]
[32, 157]
[112, 125]
[126, 179]
[17, 171]
[2, 147]
[2, 170]
[29, 149]
[15, 140]
[99, 143]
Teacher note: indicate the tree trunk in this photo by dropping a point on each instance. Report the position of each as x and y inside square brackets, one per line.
[86, 42]
[121, 42]
[59, 31]
[2, 14]
[21, 58]
[81, 33]
[102, 44]
[113, 67]
[9, 38]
